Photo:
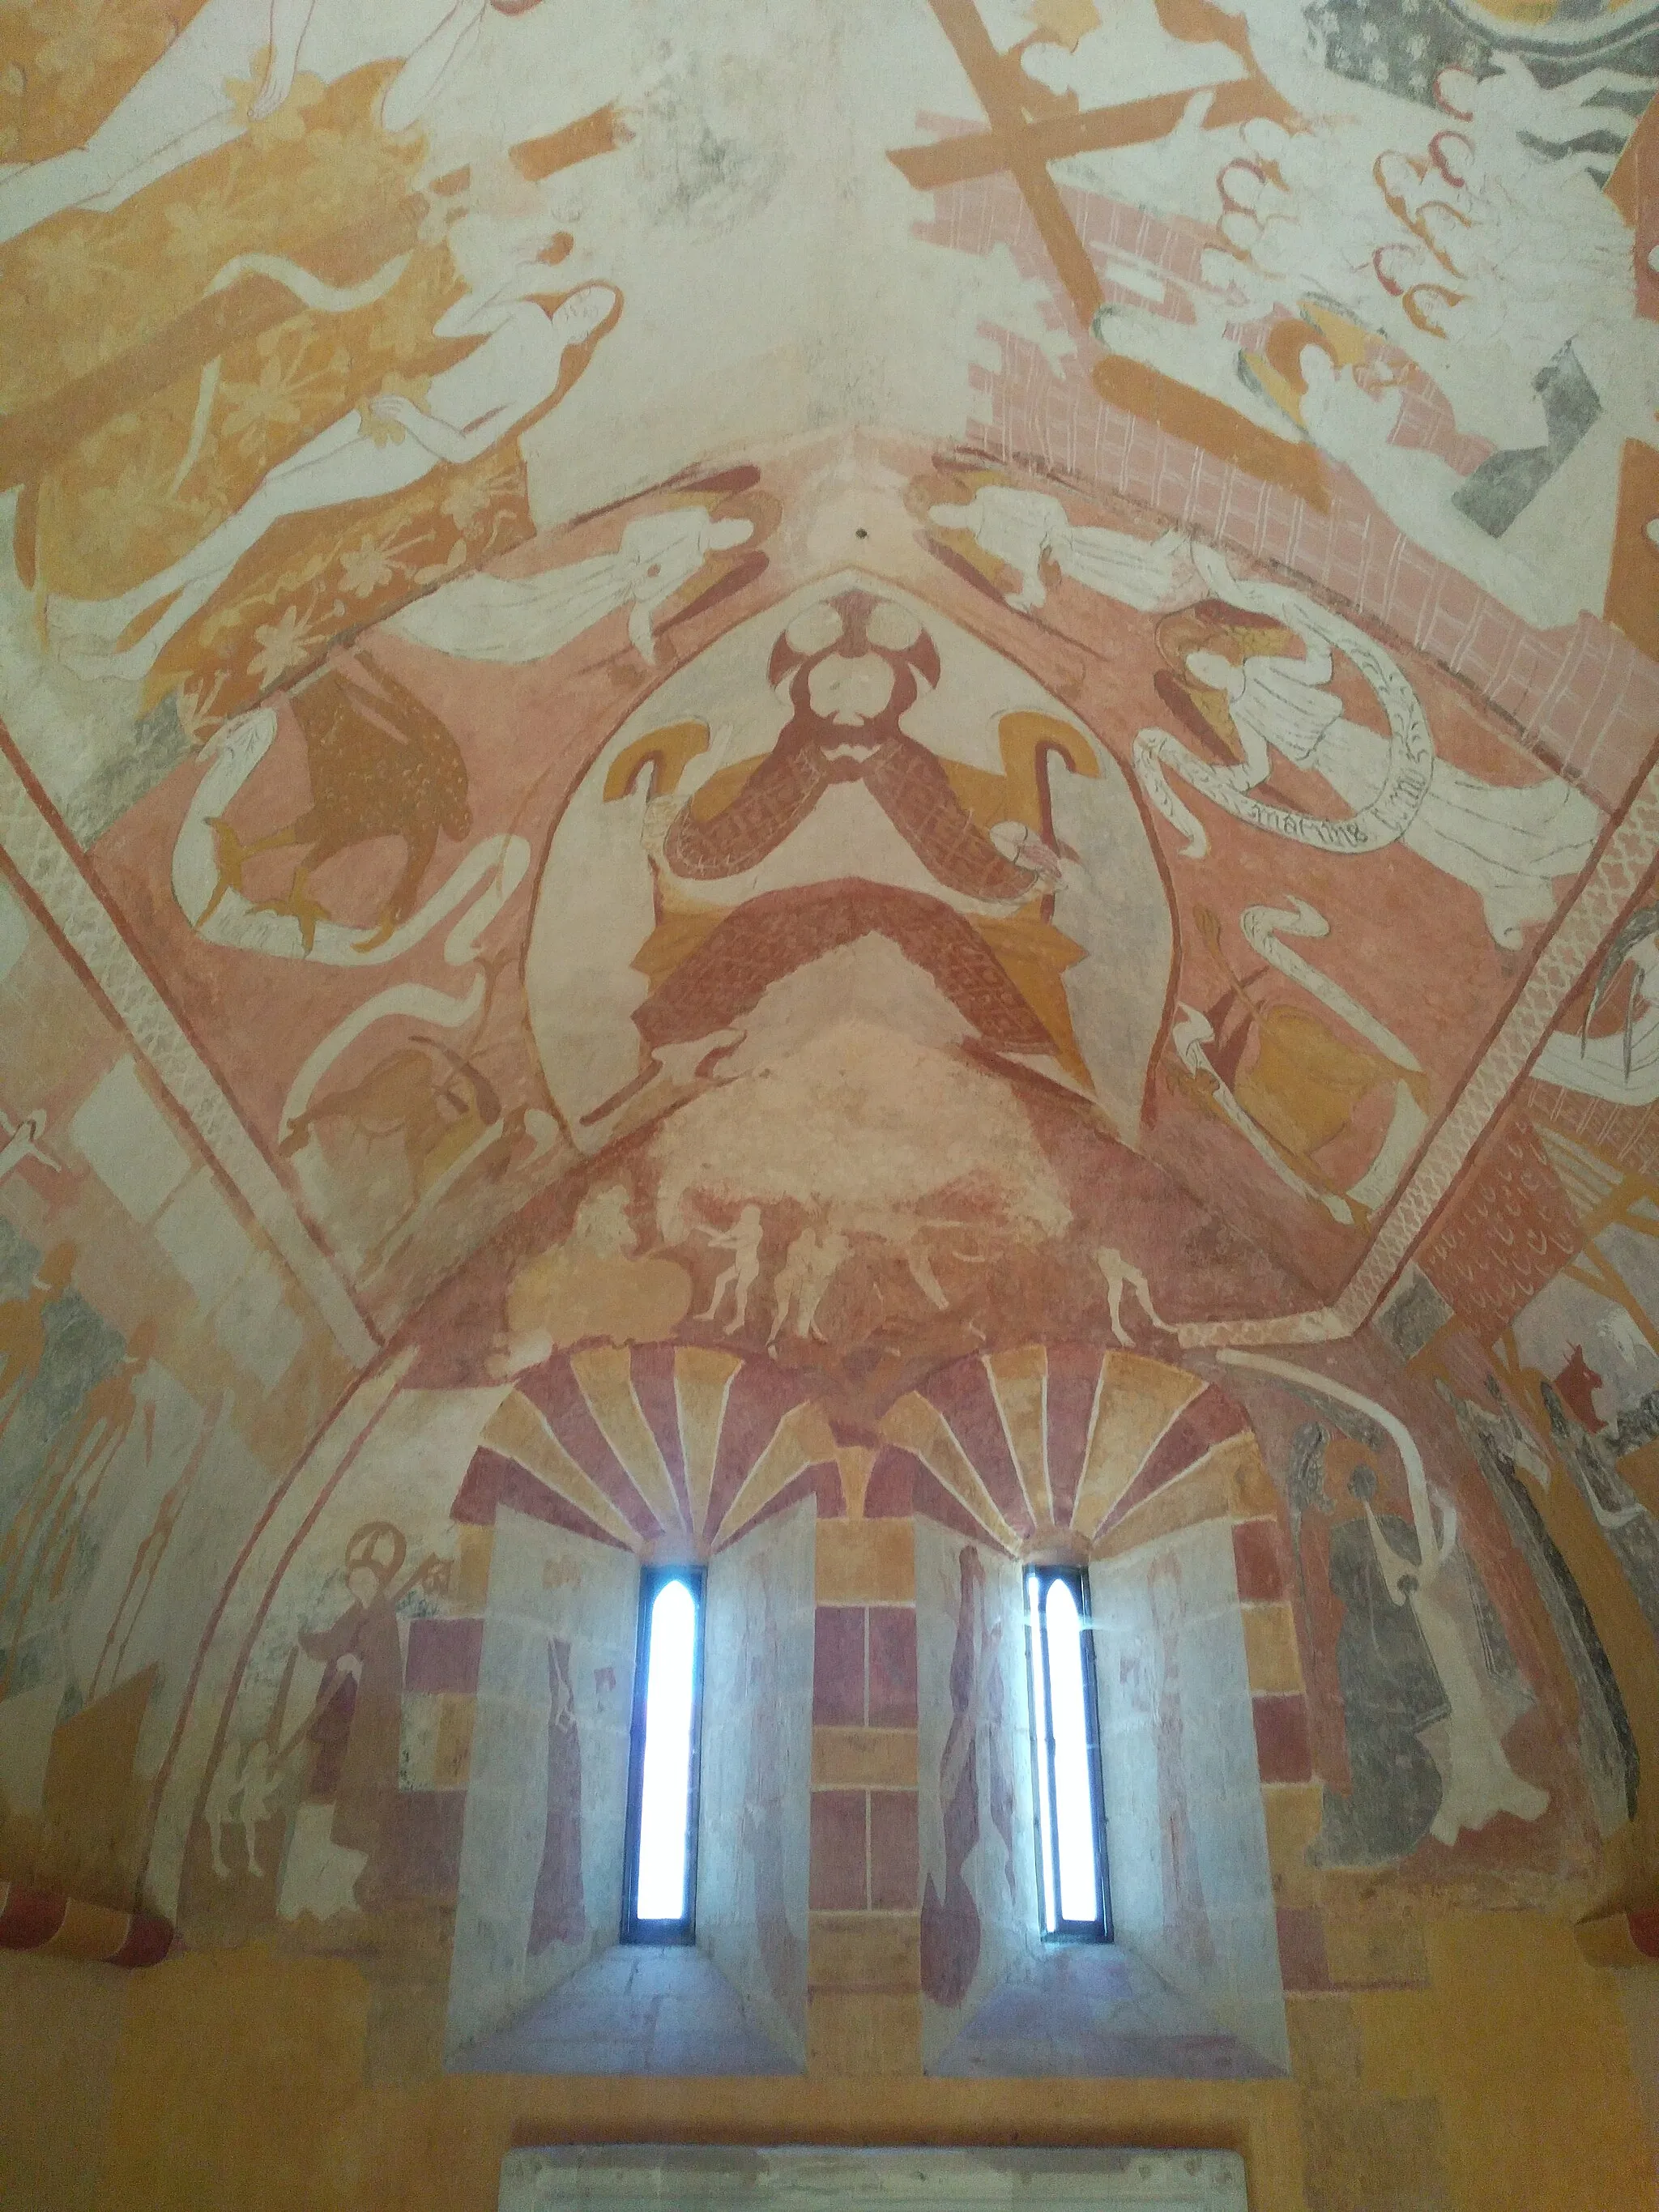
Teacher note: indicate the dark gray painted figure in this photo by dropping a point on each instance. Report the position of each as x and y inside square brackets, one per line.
[1412, 1317]
[1606, 1742]
[69, 1350]
[1505, 484]
[1391, 1689]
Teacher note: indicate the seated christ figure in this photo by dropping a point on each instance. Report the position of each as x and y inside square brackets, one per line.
[849, 828]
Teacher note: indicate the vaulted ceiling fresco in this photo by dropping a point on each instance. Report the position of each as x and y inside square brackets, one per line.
[1244, 594]
[868, 752]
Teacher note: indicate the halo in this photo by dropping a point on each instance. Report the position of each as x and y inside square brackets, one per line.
[380, 1547]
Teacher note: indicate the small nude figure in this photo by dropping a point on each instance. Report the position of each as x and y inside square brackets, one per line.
[743, 1242]
[809, 1267]
[1123, 1274]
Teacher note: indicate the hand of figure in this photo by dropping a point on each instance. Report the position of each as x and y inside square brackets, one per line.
[1021, 845]
[278, 83]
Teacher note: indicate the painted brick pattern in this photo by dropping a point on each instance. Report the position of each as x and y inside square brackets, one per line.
[1583, 697]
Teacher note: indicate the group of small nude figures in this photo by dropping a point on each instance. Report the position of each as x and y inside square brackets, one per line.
[815, 1256]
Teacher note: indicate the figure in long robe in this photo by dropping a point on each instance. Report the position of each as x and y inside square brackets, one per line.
[1592, 1456]
[764, 1827]
[1446, 1693]
[559, 1914]
[855, 665]
[355, 1727]
[536, 341]
[1508, 842]
[1186, 1912]
[23, 1326]
[514, 619]
[1613, 1758]
[42, 1540]
[1026, 529]
[1390, 1694]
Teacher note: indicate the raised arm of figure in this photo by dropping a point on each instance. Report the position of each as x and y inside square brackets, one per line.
[290, 21]
[447, 47]
[1394, 1570]
[1445, 1542]
[1432, 1549]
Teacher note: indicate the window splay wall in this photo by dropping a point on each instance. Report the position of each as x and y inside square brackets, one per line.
[1185, 1838]
[542, 1857]
[1192, 1890]
[979, 1902]
[756, 1772]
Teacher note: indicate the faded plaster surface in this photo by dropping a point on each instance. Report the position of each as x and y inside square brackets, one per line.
[634, 2010]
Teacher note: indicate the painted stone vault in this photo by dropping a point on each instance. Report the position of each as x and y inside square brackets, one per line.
[862, 792]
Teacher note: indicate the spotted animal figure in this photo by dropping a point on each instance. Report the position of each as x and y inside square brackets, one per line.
[381, 764]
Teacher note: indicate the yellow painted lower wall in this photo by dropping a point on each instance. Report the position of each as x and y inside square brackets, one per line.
[234, 2083]
[1639, 1999]
[60, 2032]
[1523, 2048]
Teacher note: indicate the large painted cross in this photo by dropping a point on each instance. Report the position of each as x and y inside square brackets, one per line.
[1024, 147]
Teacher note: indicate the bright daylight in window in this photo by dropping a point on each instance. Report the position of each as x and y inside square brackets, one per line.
[1070, 1838]
[659, 1886]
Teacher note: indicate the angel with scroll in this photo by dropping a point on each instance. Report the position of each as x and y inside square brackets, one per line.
[1428, 1691]
[1252, 666]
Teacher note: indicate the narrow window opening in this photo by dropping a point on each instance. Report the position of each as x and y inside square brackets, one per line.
[1065, 1738]
[660, 1876]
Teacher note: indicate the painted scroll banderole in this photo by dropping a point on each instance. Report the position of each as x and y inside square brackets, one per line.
[68, 1927]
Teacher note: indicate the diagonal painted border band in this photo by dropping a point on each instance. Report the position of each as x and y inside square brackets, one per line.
[44, 859]
[1578, 936]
